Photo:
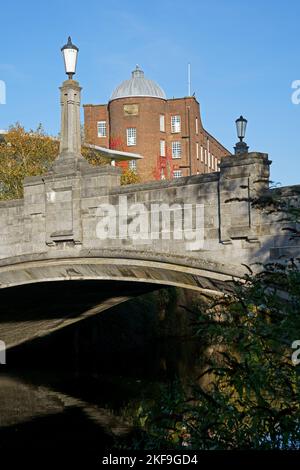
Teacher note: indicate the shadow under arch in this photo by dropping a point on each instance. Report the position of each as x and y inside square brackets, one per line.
[41, 296]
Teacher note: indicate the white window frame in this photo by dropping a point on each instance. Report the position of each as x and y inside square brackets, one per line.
[131, 136]
[205, 156]
[101, 129]
[201, 153]
[162, 123]
[215, 163]
[197, 150]
[177, 173]
[176, 149]
[175, 124]
[162, 148]
[196, 125]
[132, 165]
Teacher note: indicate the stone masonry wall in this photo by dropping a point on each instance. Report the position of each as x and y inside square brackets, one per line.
[60, 212]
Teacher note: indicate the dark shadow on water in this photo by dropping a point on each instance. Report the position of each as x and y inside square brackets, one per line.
[58, 432]
[79, 388]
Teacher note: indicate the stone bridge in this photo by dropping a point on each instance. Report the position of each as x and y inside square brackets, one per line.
[53, 235]
[196, 232]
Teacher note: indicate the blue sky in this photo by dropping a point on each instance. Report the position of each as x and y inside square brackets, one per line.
[244, 57]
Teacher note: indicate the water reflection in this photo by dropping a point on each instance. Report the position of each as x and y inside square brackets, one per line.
[49, 409]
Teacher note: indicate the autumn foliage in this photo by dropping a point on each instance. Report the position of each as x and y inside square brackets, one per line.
[24, 154]
[129, 177]
[164, 167]
[30, 153]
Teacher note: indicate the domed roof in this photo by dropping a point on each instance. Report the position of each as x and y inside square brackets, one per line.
[138, 85]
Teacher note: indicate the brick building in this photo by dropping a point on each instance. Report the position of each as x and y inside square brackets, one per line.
[168, 133]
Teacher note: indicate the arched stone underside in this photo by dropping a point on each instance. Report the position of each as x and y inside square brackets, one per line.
[207, 277]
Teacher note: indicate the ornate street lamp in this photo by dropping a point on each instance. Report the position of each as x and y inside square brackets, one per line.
[70, 53]
[241, 147]
[70, 138]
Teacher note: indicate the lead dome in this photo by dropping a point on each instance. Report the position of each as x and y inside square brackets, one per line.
[138, 85]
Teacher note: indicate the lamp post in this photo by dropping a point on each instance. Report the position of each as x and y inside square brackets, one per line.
[70, 136]
[241, 147]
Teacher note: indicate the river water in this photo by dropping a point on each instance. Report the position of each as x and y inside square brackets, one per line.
[88, 402]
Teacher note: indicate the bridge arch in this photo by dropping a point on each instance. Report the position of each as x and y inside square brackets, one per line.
[213, 278]
[113, 279]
